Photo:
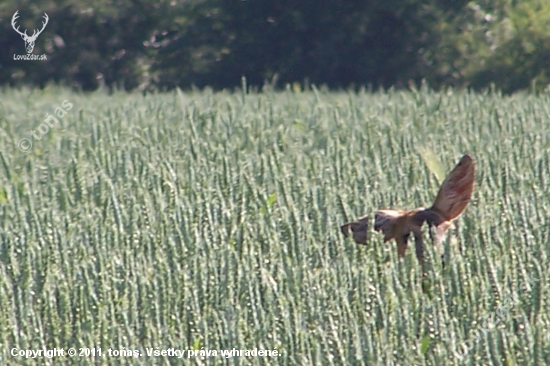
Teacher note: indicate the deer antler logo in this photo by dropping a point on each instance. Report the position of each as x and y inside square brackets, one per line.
[29, 40]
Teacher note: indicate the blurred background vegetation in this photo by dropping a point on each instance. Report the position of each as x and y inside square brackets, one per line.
[162, 44]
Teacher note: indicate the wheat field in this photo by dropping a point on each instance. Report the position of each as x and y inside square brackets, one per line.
[199, 222]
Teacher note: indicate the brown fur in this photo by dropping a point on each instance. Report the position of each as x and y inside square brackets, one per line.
[452, 198]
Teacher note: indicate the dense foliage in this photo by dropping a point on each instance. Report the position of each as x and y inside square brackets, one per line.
[164, 44]
[211, 221]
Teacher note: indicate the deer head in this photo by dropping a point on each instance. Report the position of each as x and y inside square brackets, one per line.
[29, 41]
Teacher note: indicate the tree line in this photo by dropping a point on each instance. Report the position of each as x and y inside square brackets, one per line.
[159, 45]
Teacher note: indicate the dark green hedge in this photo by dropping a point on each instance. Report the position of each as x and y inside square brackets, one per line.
[163, 44]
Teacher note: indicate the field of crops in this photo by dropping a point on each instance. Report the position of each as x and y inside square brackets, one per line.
[208, 221]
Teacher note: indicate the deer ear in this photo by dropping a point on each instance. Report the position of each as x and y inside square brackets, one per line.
[456, 190]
